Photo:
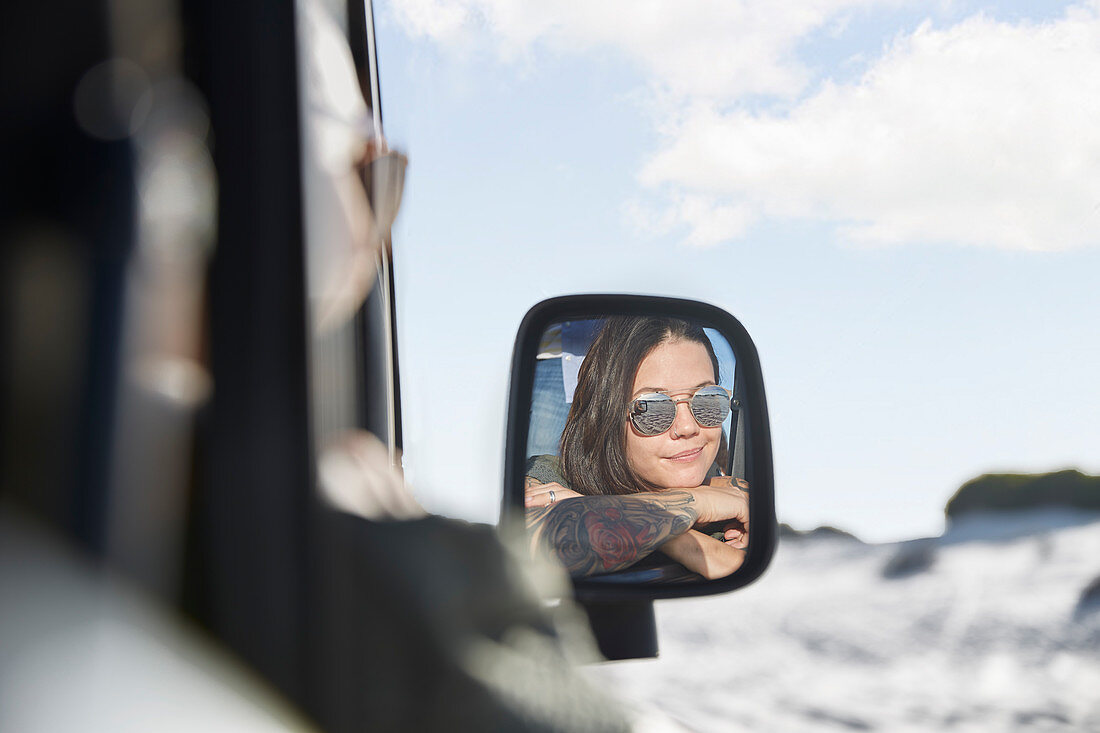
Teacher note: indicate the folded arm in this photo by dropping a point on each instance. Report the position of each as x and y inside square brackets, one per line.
[602, 534]
[703, 554]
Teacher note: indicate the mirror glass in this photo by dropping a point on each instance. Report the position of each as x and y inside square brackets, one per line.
[635, 468]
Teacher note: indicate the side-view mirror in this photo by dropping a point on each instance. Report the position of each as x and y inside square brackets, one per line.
[639, 455]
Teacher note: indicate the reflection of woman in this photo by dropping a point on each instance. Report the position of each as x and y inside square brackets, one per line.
[637, 455]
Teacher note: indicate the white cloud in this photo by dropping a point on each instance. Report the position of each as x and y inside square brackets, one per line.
[709, 221]
[718, 49]
[984, 133]
[981, 133]
[443, 21]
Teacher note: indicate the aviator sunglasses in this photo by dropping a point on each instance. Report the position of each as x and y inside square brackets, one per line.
[654, 412]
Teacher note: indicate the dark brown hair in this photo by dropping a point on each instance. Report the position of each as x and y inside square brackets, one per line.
[593, 444]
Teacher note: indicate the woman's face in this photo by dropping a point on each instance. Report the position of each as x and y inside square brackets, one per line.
[681, 456]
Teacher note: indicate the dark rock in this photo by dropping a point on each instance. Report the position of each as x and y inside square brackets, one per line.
[787, 532]
[1089, 602]
[818, 715]
[1030, 718]
[910, 559]
[1014, 491]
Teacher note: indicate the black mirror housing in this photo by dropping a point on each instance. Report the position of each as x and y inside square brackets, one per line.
[634, 586]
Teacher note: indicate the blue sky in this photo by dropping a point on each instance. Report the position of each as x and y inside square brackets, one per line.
[900, 201]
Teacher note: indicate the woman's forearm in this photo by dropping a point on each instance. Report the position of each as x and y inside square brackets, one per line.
[602, 534]
[703, 554]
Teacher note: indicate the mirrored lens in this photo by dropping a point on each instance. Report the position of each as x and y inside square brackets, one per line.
[710, 405]
[652, 414]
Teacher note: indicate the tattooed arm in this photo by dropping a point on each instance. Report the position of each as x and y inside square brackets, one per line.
[602, 534]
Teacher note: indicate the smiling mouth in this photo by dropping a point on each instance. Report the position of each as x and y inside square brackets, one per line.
[686, 456]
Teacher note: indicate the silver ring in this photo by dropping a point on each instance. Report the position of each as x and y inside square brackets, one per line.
[551, 496]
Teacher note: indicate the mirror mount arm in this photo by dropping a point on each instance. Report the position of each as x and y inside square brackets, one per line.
[623, 629]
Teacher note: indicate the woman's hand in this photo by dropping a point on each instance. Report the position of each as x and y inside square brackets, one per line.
[722, 503]
[536, 494]
[723, 506]
[735, 535]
